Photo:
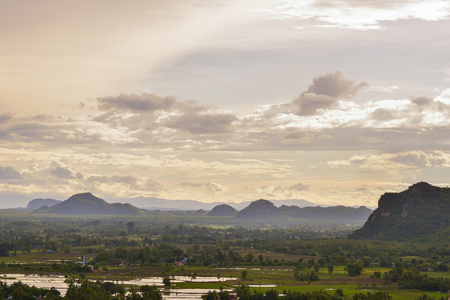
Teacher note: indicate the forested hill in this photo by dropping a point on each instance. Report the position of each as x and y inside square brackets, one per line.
[223, 210]
[260, 209]
[419, 213]
[88, 204]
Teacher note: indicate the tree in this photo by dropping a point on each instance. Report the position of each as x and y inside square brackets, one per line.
[316, 267]
[131, 225]
[243, 292]
[354, 269]
[244, 274]
[339, 293]
[260, 258]
[249, 257]
[166, 282]
[150, 292]
[330, 269]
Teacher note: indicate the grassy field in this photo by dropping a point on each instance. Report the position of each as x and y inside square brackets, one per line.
[281, 276]
[275, 269]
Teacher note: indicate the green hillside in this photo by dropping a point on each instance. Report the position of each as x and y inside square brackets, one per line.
[420, 213]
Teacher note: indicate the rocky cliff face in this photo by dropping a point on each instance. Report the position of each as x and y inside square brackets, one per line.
[422, 212]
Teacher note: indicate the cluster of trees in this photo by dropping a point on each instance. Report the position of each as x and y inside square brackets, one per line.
[62, 235]
[66, 267]
[306, 277]
[340, 252]
[409, 277]
[144, 242]
[19, 290]
[244, 293]
[161, 252]
[412, 279]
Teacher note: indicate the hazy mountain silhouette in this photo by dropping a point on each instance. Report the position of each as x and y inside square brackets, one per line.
[88, 204]
[152, 203]
[260, 209]
[39, 202]
[223, 210]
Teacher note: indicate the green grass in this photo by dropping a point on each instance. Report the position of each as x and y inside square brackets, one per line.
[436, 274]
[281, 276]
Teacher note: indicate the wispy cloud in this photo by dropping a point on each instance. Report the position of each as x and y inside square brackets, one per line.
[360, 14]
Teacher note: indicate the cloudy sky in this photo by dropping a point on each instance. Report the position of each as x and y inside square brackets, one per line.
[335, 102]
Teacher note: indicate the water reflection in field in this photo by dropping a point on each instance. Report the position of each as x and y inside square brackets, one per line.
[39, 281]
[49, 281]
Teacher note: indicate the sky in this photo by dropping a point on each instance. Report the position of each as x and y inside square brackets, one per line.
[334, 102]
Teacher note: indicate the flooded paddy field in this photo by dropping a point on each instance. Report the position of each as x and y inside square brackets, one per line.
[59, 283]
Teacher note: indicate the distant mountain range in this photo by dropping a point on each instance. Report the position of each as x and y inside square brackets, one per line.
[419, 213]
[88, 204]
[266, 210]
[151, 203]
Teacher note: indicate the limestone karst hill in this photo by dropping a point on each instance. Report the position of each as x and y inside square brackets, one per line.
[260, 209]
[88, 204]
[223, 210]
[422, 212]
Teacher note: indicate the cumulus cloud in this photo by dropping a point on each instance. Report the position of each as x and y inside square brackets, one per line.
[325, 91]
[334, 85]
[136, 103]
[422, 101]
[9, 173]
[324, 116]
[201, 124]
[299, 187]
[382, 114]
[150, 112]
[61, 171]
